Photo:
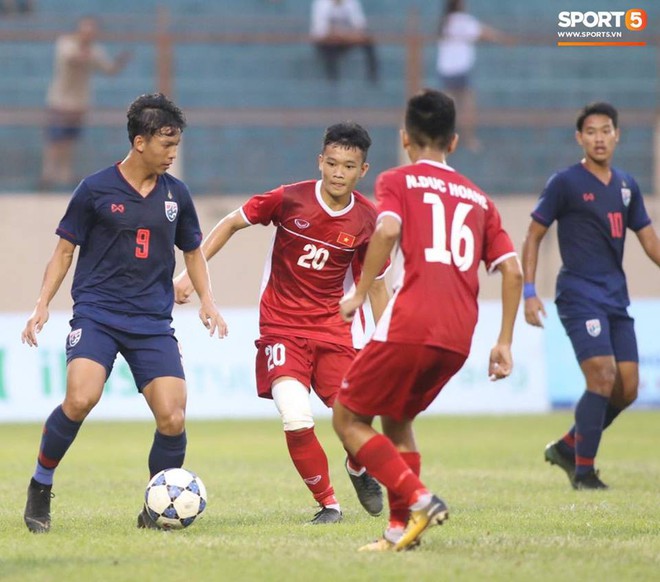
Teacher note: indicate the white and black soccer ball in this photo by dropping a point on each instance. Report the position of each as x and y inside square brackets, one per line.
[175, 498]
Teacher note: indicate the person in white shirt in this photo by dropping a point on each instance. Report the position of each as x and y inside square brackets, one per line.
[338, 26]
[459, 33]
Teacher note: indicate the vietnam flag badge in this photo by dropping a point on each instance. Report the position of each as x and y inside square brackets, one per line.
[348, 240]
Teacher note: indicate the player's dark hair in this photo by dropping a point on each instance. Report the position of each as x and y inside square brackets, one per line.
[154, 114]
[348, 134]
[431, 119]
[599, 108]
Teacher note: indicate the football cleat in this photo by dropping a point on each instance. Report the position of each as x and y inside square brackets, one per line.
[379, 545]
[434, 513]
[386, 543]
[37, 507]
[369, 492]
[555, 456]
[144, 521]
[326, 515]
[589, 480]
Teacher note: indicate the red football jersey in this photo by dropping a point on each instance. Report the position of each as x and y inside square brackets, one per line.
[448, 226]
[315, 258]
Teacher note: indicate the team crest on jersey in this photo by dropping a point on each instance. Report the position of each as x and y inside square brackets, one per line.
[593, 327]
[74, 337]
[625, 196]
[301, 224]
[171, 210]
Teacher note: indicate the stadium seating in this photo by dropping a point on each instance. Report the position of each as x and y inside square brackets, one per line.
[285, 76]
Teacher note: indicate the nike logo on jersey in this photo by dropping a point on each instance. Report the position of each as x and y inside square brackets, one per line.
[588, 197]
[117, 208]
[301, 224]
[347, 240]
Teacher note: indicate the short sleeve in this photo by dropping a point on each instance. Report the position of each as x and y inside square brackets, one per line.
[188, 232]
[264, 208]
[388, 196]
[548, 207]
[498, 245]
[79, 216]
[638, 218]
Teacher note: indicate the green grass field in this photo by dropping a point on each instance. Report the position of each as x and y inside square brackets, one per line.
[513, 517]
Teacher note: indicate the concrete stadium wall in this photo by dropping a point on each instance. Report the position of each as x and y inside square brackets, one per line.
[28, 221]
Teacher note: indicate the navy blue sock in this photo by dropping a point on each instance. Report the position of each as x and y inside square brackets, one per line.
[58, 434]
[589, 420]
[567, 443]
[167, 452]
[610, 414]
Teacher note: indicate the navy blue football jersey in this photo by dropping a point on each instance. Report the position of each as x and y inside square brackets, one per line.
[123, 276]
[592, 219]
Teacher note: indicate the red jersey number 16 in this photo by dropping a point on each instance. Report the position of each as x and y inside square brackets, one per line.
[461, 238]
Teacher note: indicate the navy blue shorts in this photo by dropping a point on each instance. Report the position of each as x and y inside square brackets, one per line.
[63, 125]
[455, 82]
[148, 356]
[602, 334]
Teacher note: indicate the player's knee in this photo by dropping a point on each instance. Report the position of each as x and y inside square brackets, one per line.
[78, 406]
[601, 379]
[172, 422]
[292, 401]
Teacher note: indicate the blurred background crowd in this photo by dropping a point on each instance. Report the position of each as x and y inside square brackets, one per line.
[260, 79]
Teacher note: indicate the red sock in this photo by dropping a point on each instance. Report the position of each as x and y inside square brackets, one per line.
[312, 464]
[386, 464]
[353, 464]
[399, 510]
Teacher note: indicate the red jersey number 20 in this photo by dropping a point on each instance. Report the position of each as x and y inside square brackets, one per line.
[461, 238]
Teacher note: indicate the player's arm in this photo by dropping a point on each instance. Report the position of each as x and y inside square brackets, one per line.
[379, 296]
[56, 269]
[650, 243]
[381, 244]
[500, 364]
[530, 256]
[217, 238]
[198, 272]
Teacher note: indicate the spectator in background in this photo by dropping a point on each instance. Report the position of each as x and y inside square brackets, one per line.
[337, 26]
[459, 32]
[77, 56]
[15, 7]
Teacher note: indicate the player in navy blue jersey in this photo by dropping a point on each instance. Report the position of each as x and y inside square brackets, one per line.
[594, 204]
[126, 219]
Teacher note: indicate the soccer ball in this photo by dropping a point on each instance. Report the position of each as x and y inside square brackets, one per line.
[175, 498]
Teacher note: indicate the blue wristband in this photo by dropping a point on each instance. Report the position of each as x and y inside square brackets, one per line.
[529, 290]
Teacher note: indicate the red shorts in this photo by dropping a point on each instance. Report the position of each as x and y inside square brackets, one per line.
[397, 380]
[318, 365]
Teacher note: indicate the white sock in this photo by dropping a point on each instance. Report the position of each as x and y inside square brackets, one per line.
[353, 471]
[422, 501]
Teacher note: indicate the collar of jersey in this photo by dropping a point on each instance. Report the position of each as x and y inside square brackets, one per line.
[329, 210]
[436, 164]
